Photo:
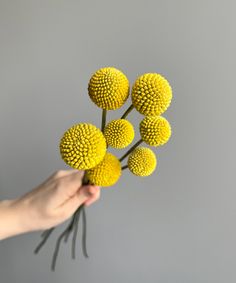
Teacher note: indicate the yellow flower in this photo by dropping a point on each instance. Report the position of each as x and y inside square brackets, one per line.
[151, 94]
[106, 173]
[83, 146]
[119, 133]
[155, 130]
[142, 161]
[108, 88]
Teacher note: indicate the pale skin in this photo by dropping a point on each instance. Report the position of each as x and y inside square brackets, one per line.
[47, 205]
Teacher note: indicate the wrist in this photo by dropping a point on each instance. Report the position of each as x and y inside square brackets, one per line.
[12, 218]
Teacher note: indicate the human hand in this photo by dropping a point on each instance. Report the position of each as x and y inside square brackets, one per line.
[48, 205]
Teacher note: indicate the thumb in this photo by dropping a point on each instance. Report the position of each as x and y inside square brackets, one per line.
[86, 192]
[83, 194]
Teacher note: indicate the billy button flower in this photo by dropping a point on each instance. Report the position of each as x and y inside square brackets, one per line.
[108, 88]
[142, 161]
[154, 131]
[83, 146]
[106, 173]
[119, 133]
[151, 95]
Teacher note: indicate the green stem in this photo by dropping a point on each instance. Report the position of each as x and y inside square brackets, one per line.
[54, 259]
[46, 234]
[84, 232]
[131, 107]
[70, 228]
[104, 115]
[76, 223]
[131, 149]
[124, 167]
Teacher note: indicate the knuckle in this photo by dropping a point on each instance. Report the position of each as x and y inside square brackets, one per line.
[59, 173]
[57, 185]
[47, 212]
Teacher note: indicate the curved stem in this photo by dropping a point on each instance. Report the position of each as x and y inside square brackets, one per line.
[76, 222]
[131, 149]
[46, 234]
[63, 234]
[70, 228]
[54, 259]
[84, 232]
[131, 107]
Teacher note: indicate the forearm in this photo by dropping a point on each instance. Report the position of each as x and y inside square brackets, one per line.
[12, 220]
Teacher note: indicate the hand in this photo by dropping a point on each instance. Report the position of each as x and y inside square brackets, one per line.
[48, 205]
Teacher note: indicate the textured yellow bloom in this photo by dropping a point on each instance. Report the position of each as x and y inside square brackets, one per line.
[119, 133]
[151, 94]
[108, 88]
[83, 146]
[106, 173]
[142, 161]
[155, 130]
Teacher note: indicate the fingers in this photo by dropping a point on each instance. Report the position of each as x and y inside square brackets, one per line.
[85, 194]
[93, 198]
[70, 184]
[88, 192]
[64, 173]
[60, 174]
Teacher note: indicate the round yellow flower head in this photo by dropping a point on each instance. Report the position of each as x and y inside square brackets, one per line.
[108, 88]
[106, 173]
[119, 133]
[83, 146]
[142, 161]
[155, 130]
[151, 94]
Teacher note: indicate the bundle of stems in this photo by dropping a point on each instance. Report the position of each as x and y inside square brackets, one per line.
[72, 228]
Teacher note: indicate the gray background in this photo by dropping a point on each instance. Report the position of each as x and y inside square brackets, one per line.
[178, 225]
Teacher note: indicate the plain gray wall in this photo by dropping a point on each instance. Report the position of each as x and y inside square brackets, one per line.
[177, 225]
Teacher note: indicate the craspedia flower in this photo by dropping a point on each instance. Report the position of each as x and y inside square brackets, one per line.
[119, 133]
[151, 94]
[106, 173]
[83, 146]
[142, 161]
[155, 130]
[108, 88]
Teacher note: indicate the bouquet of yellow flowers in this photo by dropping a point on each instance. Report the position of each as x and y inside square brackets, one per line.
[85, 147]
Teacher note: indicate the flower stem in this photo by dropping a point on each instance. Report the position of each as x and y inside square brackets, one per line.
[76, 223]
[54, 259]
[124, 167]
[84, 232]
[104, 115]
[46, 234]
[131, 107]
[131, 149]
[70, 228]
